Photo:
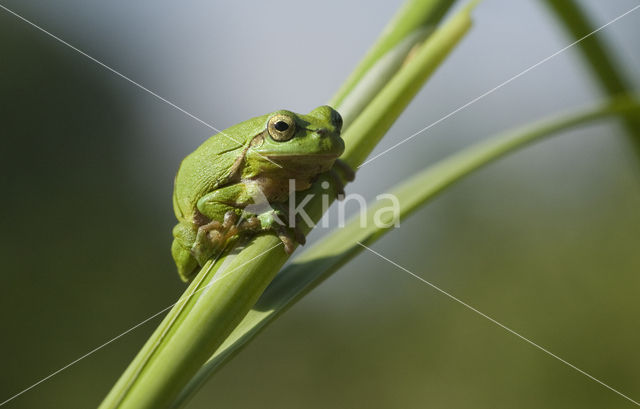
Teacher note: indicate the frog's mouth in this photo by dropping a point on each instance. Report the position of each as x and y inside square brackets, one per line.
[310, 157]
[318, 162]
[303, 164]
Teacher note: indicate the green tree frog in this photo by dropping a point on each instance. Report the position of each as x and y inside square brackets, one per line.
[217, 186]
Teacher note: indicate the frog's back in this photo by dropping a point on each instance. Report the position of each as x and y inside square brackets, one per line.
[202, 171]
[208, 167]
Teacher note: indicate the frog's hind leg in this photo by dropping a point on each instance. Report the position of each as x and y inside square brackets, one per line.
[196, 242]
[183, 237]
[211, 238]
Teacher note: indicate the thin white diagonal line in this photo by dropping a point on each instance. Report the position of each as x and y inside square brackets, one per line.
[83, 356]
[497, 87]
[135, 326]
[546, 351]
[128, 79]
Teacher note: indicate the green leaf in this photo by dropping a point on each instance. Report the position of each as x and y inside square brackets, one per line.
[225, 290]
[375, 120]
[598, 58]
[323, 259]
[414, 21]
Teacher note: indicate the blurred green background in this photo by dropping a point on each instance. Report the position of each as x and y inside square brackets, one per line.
[545, 241]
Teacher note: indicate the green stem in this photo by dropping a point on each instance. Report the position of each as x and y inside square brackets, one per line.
[600, 61]
[212, 305]
[376, 119]
[415, 15]
[323, 259]
[225, 290]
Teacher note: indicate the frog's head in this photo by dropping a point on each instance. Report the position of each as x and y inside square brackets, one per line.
[303, 141]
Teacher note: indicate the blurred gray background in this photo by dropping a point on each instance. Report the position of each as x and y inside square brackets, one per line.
[545, 241]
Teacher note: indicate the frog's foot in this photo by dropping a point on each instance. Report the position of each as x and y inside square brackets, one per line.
[230, 224]
[347, 172]
[282, 211]
[286, 238]
[278, 221]
[338, 172]
[208, 239]
[213, 236]
[249, 224]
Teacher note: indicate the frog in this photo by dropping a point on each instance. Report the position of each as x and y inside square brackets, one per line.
[237, 182]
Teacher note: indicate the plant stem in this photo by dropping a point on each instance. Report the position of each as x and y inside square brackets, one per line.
[376, 119]
[598, 58]
[225, 290]
[323, 259]
[410, 26]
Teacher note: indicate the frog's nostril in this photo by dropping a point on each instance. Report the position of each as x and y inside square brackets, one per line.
[322, 131]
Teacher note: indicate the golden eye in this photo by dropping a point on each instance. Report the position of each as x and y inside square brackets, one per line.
[281, 127]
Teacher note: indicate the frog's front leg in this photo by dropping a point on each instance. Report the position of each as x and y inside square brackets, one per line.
[341, 168]
[223, 208]
[251, 211]
[289, 231]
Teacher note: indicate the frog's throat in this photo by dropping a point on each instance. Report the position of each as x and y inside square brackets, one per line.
[274, 188]
[310, 157]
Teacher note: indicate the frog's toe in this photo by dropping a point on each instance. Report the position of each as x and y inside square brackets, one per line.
[339, 172]
[206, 229]
[209, 239]
[230, 220]
[338, 185]
[251, 224]
[297, 230]
[215, 237]
[284, 235]
[289, 231]
[343, 167]
[299, 235]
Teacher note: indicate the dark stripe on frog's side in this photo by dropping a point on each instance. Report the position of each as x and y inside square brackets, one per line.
[234, 176]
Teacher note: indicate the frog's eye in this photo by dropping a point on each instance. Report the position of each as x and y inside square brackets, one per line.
[281, 127]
